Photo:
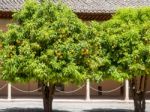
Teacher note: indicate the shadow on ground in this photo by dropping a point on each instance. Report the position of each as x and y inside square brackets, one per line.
[28, 110]
[108, 110]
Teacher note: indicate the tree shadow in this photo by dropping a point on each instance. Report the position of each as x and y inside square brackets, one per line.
[108, 110]
[28, 110]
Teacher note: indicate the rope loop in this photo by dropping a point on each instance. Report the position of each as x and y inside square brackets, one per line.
[147, 92]
[3, 86]
[68, 92]
[24, 90]
[108, 91]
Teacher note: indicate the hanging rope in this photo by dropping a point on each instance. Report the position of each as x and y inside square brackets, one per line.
[109, 91]
[147, 92]
[24, 90]
[3, 87]
[68, 92]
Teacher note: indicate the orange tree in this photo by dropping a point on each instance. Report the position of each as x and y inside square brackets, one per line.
[125, 45]
[48, 44]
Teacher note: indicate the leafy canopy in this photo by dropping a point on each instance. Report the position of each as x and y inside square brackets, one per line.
[125, 41]
[44, 44]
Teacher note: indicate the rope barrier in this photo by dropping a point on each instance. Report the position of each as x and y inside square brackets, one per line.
[68, 92]
[3, 87]
[108, 91]
[24, 90]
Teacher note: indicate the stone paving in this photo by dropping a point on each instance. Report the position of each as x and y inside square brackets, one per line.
[36, 106]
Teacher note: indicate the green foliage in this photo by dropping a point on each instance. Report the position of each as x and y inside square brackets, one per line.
[45, 45]
[95, 58]
[125, 41]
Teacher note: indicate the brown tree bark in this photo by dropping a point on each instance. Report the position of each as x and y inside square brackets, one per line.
[138, 90]
[48, 93]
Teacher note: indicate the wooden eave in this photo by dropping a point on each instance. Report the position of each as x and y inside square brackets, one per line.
[94, 16]
[6, 14]
[83, 16]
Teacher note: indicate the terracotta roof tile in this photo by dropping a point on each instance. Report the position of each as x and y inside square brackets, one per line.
[10, 5]
[82, 6]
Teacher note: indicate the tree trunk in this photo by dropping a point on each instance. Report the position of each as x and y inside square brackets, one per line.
[48, 92]
[138, 89]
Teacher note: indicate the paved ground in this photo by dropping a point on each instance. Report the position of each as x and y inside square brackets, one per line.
[36, 106]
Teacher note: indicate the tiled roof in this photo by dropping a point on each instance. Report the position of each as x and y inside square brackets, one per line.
[10, 5]
[82, 6]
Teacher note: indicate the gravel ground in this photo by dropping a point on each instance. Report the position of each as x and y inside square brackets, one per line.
[36, 106]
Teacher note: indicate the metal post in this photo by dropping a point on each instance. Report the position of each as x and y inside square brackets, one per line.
[126, 90]
[9, 91]
[88, 90]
